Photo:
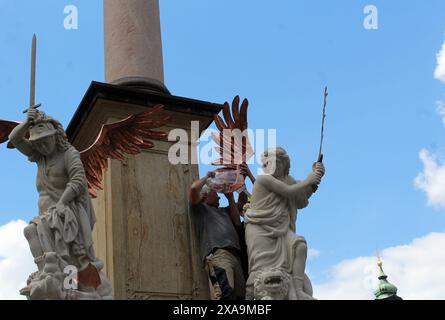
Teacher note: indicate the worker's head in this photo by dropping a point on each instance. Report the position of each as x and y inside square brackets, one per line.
[209, 196]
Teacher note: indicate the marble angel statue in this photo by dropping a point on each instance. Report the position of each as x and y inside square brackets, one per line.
[277, 255]
[60, 236]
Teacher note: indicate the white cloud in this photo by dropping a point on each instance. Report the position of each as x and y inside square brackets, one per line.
[439, 72]
[416, 269]
[440, 108]
[312, 253]
[432, 179]
[16, 262]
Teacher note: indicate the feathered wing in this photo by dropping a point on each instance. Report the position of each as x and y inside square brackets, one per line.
[6, 127]
[232, 140]
[128, 136]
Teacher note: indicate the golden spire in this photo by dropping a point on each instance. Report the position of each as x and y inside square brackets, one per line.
[385, 290]
[379, 260]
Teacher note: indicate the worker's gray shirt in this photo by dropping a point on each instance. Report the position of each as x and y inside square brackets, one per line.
[214, 228]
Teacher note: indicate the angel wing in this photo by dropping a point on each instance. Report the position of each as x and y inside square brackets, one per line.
[128, 136]
[6, 127]
[233, 145]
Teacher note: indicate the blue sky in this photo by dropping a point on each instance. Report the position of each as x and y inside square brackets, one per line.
[381, 107]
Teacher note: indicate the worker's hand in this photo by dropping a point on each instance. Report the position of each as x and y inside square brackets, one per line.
[210, 174]
[244, 169]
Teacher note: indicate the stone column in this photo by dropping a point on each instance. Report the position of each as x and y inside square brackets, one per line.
[133, 45]
[144, 231]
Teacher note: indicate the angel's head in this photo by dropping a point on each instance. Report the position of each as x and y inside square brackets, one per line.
[47, 135]
[276, 162]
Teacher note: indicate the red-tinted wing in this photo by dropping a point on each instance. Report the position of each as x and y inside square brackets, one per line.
[233, 147]
[128, 136]
[6, 128]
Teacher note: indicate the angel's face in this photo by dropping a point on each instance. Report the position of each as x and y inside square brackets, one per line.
[45, 146]
[275, 162]
[269, 165]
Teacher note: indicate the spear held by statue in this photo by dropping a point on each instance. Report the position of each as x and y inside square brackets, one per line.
[320, 151]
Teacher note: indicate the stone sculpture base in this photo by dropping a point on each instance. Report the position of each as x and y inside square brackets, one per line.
[51, 283]
[275, 284]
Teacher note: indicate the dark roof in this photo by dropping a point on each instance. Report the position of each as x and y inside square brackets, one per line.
[135, 96]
